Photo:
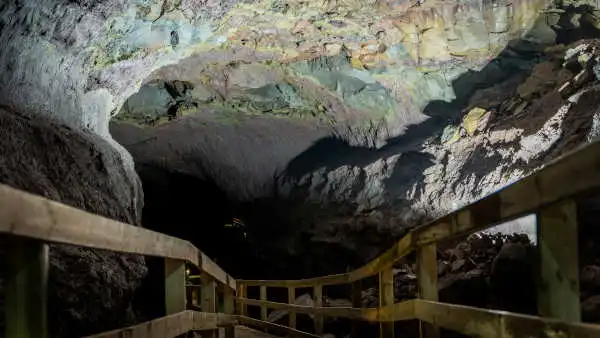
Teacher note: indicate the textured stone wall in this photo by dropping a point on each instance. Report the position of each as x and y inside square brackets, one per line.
[89, 290]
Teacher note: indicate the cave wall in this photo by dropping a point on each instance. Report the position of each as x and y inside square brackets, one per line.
[330, 202]
[89, 290]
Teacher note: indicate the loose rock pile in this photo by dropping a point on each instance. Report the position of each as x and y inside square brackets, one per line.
[469, 271]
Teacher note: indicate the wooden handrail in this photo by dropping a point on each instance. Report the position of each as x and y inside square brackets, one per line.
[493, 324]
[172, 326]
[464, 319]
[568, 176]
[28, 215]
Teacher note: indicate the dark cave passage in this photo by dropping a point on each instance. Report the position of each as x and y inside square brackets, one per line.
[196, 210]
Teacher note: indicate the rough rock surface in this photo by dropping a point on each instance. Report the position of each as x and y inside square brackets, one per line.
[342, 189]
[80, 61]
[532, 122]
[90, 290]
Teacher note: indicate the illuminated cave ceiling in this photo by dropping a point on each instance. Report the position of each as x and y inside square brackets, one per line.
[277, 77]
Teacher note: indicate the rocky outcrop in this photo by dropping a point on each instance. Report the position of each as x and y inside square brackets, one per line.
[497, 142]
[454, 135]
[80, 61]
[90, 290]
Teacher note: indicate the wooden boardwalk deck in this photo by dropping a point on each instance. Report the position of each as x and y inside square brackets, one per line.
[246, 332]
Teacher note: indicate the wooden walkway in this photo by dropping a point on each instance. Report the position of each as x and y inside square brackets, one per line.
[552, 194]
[245, 332]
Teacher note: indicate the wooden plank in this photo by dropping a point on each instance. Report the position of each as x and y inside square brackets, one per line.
[486, 323]
[339, 312]
[175, 290]
[275, 328]
[427, 281]
[558, 284]
[242, 290]
[209, 267]
[356, 303]
[393, 313]
[26, 288]
[386, 297]
[291, 312]
[402, 248]
[209, 301]
[27, 215]
[172, 326]
[263, 307]
[318, 302]
[229, 309]
[300, 283]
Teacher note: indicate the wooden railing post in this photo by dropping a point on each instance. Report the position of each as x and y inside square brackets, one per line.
[209, 301]
[263, 307]
[242, 292]
[356, 303]
[427, 279]
[558, 280]
[292, 313]
[228, 307]
[26, 288]
[386, 297]
[174, 286]
[318, 302]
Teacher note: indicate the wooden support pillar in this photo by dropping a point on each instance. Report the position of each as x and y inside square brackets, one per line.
[174, 286]
[209, 302]
[228, 308]
[386, 297]
[242, 292]
[26, 288]
[318, 302]
[427, 279]
[356, 303]
[263, 307]
[558, 281]
[292, 313]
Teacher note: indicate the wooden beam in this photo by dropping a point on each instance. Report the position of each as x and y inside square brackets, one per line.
[209, 302]
[229, 309]
[484, 323]
[263, 307]
[558, 281]
[427, 280]
[390, 313]
[242, 292]
[318, 302]
[175, 291]
[275, 328]
[301, 283]
[356, 303]
[27, 215]
[26, 288]
[386, 297]
[291, 312]
[340, 312]
[172, 326]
